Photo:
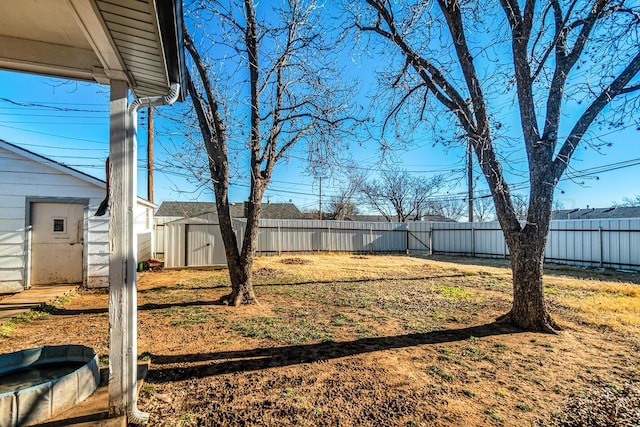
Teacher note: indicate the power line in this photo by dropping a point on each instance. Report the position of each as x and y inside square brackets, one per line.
[57, 147]
[79, 123]
[53, 115]
[53, 135]
[50, 106]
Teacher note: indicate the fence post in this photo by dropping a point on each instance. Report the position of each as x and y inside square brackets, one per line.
[329, 237]
[473, 240]
[407, 238]
[430, 238]
[186, 245]
[371, 239]
[601, 246]
[279, 240]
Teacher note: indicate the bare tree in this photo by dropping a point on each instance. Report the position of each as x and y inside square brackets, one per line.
[449, 208]
[343, 204]
[399, 195]
[483, 209]
[341, 207]
[274, 73]
[550, 58]
[629, 201]
[520, 206]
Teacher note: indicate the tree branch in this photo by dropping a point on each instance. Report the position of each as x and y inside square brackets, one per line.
[617, 87]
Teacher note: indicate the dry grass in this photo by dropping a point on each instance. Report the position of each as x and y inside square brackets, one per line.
[599, 298]
[347, 340]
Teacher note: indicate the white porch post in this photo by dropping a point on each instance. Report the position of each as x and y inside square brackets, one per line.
[120, 206]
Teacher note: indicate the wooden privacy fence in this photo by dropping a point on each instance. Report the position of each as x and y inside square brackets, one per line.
[612, 243]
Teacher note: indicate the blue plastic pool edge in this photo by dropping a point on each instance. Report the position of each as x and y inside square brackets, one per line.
[40, 402]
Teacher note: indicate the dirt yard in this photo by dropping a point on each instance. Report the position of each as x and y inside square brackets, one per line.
[341, 340]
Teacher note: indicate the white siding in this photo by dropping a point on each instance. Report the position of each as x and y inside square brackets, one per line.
[23, 177]
[158, 234]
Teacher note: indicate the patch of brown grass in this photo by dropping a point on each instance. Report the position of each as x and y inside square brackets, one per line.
[375, 340]
[296, 261]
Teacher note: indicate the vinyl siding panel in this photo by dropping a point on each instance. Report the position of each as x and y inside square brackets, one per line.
[22, 177]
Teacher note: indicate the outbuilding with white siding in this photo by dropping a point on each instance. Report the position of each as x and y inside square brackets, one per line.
[48, 229]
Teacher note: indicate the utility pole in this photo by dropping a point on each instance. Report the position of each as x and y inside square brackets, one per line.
[150, 156]
[320, 200]
[470, 178]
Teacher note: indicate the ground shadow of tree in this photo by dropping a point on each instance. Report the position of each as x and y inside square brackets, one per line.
[226, 362]
[50, 309]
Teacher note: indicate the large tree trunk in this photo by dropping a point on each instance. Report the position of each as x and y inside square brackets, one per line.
[240, 263]
[527, 247]
[529, 309]
[241, 283]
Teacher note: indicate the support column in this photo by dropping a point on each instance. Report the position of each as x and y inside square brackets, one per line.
[119, 206]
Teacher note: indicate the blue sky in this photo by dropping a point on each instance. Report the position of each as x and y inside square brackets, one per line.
[68, 122]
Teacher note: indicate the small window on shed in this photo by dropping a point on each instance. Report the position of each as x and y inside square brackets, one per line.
[59, 225]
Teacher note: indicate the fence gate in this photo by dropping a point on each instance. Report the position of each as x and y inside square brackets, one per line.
[419, 238]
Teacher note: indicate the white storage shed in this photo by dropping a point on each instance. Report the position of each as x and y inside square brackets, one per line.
[194, 242]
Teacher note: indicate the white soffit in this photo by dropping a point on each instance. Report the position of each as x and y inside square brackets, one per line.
[95, 40]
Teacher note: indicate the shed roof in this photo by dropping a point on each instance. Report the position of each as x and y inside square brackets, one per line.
[238, 210]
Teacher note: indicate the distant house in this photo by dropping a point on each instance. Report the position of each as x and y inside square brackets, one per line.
[173, 211]
[597, 213]
[178, 210]
[48, 230]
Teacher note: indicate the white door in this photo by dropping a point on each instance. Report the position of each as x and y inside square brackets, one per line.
[56, 243]
[204, 245]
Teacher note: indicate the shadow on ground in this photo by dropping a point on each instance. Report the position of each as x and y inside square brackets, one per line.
[226, 362]
[223, 301]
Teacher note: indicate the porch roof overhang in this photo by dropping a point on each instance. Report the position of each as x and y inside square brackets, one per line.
[131, 45]
[136, 41]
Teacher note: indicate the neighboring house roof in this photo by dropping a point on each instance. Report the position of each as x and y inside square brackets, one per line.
[61, 167]
[237, 210]
[185, 209]
[597, 213]
[280, 211]
[437, 218]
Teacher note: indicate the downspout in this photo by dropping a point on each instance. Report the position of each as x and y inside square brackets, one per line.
[134, 415]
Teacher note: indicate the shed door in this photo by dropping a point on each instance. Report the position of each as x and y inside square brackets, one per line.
[56, 243]
[204, 245]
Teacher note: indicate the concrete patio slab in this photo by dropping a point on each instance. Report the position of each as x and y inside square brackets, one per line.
[14, 305]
